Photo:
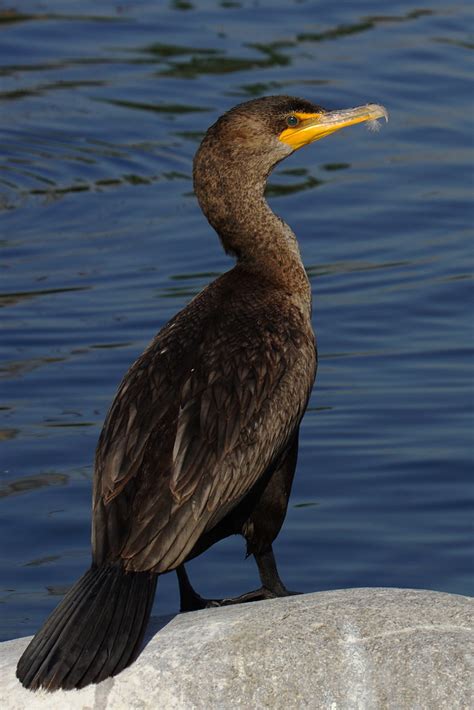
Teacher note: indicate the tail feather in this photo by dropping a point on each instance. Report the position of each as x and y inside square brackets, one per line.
[38, 649]
[105, 661]
[79, 651]
[129, 633]
[94, 633]
[87, 670]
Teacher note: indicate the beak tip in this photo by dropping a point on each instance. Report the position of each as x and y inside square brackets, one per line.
[379, 111]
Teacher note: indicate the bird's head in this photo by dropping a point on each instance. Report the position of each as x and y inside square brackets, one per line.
[268, 129]
[242, 147]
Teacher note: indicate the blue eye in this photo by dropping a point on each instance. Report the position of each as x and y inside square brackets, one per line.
[292, 121]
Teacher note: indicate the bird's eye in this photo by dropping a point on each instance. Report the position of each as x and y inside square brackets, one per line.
[292, 121]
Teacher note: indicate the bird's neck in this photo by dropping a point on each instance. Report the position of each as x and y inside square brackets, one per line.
[234, 203]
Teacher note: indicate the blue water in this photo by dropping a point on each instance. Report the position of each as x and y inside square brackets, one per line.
[102, 106]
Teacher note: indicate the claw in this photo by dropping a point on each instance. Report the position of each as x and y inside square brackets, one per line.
[197, 602]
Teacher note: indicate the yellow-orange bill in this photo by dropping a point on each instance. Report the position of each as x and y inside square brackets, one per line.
[312, 127]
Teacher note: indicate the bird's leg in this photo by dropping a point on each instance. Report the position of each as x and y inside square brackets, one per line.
[272, 586]
[267, 568]
[189, 599]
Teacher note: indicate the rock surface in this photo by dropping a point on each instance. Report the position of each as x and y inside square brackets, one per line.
[367, 649]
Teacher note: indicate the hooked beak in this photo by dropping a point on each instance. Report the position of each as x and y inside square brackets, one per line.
[312, 127]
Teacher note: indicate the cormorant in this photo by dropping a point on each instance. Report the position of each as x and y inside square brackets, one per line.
[201, 439]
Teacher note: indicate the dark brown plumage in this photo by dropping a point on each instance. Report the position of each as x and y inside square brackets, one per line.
[201, 439]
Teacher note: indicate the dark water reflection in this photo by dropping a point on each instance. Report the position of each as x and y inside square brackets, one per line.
[102, 108]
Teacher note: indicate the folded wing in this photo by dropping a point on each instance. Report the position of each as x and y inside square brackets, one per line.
[192, 429]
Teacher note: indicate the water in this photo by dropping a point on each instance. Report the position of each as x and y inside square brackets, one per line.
[102, 108]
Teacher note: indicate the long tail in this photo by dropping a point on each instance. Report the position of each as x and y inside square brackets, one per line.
[95, 632]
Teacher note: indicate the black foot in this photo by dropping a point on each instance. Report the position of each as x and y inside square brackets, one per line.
[192, 601]
[255, 596]
[198, 602]
[272, 587]
[195, 602]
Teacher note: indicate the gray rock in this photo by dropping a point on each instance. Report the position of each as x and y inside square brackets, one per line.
[367, 649]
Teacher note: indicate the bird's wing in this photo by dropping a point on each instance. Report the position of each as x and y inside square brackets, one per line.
[180, 451]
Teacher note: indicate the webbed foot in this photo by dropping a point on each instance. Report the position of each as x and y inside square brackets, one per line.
[190, 600]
